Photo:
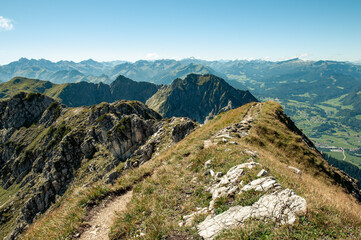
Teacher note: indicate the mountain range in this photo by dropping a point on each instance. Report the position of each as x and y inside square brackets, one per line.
[199, 97]
[311, 92]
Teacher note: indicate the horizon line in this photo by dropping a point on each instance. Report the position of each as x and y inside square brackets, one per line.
[187, 58]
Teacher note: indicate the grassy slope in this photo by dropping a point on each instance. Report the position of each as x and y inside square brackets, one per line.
[173, 185]
[20, 84]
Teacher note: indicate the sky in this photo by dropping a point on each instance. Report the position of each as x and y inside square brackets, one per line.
[106, 30]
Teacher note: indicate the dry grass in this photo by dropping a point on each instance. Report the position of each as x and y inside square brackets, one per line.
[60, 222]
[174, 190]
[63, 219]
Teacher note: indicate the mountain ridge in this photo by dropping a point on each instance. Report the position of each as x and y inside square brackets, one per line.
[82, 93]
[199, 97]
[44, 145]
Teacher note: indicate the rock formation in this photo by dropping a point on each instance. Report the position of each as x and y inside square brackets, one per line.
[44, 145]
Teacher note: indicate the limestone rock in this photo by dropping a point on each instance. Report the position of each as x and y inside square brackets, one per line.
[229, 183]
[282, 207]
[262, 173]
[182, 129]
[252, 153]
[23, 109]
[262, 184]
[188, 219]
[218, 175]
[207, 164]
[295, 170]
[209, 172]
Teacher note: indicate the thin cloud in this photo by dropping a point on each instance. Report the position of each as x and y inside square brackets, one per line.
[151, 56]
[304, 55]
[6, 24]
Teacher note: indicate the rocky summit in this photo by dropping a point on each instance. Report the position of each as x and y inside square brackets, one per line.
[121, 171]
[199, 97]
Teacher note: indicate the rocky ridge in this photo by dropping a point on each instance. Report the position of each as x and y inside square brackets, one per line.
[48, 146]
[276, 204]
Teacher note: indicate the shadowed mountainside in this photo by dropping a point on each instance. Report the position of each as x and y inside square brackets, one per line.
[82, 93]
[200, 97]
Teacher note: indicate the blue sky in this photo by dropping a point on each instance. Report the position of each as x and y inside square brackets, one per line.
[144, 29]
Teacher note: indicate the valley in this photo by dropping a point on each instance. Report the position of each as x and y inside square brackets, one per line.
[325, 127]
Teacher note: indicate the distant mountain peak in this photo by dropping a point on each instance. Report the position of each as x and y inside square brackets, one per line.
[198, 97]
[23, 59]
[89, 61]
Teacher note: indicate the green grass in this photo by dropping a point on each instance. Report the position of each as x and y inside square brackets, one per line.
[7, 194]
[328, 109]
[349, 158]
[20, 84]
[311, 226]
[335, 101]
[56, 90]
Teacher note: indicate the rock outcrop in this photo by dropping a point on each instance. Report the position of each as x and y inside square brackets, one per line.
[168, 133]
[46, 145]
[23, 110]
[277, 204]
[281, 207]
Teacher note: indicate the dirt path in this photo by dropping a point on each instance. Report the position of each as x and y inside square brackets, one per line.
[344, 156]
[103, 218]
[225, 133]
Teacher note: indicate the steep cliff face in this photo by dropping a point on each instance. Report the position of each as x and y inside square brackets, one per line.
[125, 88]
[84, 94]
[45, 147]
[23, 110]
[200, 97]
